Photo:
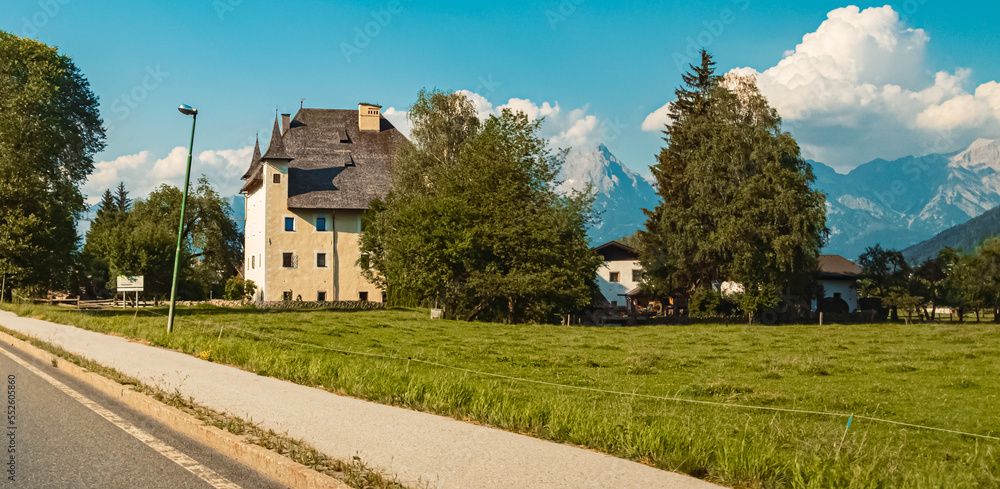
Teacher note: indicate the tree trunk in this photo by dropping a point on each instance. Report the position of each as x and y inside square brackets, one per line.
[961, 314]
[475, 311]
[510, 310]
[977, 314]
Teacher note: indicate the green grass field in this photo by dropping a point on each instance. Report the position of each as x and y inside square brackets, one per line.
[940, 375]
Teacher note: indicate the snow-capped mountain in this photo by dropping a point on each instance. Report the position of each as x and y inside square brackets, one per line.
[903, 202]
[893, 203]
[620, 193]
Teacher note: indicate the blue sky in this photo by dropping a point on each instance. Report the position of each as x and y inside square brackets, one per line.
[602, 68]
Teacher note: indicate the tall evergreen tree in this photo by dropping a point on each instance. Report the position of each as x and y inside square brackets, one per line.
[122, 202]
[107, 205]
[736, 197]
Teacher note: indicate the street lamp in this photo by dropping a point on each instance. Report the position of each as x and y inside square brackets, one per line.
[186, 110]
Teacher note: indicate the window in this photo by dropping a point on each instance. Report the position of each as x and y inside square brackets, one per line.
[321, 296]
[363, 296]
[286, 296]
[253, 262]
[637, 275]
[320, 260]
[321, 224]
[615, 277]
[288, 260]
[289, 224]
[276, 178]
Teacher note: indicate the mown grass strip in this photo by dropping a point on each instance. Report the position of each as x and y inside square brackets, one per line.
[934, 375]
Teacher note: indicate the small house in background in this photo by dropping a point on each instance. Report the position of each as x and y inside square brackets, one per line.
[839, 277]
[620, 273]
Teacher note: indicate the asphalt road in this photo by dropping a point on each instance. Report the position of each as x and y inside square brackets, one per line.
[64, 434]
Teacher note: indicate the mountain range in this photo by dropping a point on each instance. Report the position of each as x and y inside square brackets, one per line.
[902, 202]
[894, 203]
[897, 203]
[965, 237]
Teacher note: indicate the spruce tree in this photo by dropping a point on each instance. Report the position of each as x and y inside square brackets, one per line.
[737, 202]
[107, 205]
[122, 202]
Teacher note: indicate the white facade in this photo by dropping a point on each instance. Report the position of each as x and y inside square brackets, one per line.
[254, 244]
[618, 277]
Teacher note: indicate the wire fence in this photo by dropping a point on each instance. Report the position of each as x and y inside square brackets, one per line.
[410, 359]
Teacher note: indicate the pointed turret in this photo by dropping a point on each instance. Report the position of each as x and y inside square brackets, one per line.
[276, 148]
[254, 162]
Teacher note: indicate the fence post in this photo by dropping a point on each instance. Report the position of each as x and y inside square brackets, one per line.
[821, 318]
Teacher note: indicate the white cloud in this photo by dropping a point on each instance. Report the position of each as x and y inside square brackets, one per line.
[400, 119]
[142, 173]
[658, 119]
[861, 87]
[563, 128]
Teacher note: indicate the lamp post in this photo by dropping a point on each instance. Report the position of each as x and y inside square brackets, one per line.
[186, 110]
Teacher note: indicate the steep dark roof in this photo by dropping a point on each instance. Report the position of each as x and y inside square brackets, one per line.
[335, 165]
[254, 162]
[615, 251]
[838, 267]
[276, 148]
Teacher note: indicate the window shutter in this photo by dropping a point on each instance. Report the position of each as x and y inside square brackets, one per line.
[295, 261]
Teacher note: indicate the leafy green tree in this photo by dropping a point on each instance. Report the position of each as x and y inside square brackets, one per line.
[885, 274]
[882, 270]
[753, 301]
[736, 202]
[934, 275]
[142, 241]
[966, 277]
[50, 128]
[987, 267]
[473, 222]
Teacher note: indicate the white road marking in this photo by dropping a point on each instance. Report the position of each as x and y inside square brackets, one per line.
[191, 465]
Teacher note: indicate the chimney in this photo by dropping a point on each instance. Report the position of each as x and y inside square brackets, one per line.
[284, 123]
[369, 117]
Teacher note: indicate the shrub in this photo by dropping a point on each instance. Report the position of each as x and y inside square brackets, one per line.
[707, 303]
[238, 289]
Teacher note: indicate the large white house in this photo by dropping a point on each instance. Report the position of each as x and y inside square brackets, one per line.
[620, 273]
[304, 200]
